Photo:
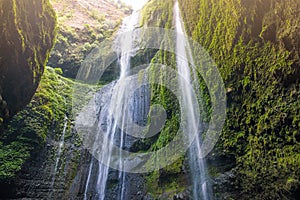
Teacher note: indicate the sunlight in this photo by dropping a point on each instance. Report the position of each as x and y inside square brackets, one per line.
[136, 4]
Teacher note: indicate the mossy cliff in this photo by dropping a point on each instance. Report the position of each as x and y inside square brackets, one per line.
[27, 34]
[256, 46]
[39, 149]
[170, 182]
[30, 144]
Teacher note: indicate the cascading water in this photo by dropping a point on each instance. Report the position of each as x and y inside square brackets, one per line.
[114, 107]
[126, 52]
[58, 154]
[201, 189]
[111, 118]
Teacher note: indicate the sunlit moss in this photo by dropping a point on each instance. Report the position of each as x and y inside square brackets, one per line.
[254, 46]
[27, 131]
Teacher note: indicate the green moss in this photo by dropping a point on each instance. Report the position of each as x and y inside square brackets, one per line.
[12, 156]
[16, 21]
[157, 14]
[58, 71]
[163, 184]
[27, 131]
[260, 68]
[27, 36]
[255, 48]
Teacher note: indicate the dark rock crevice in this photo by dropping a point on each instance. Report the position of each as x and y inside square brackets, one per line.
[27, 33]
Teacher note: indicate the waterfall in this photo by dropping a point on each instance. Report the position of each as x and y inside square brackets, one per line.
[58, 154]
[126, 52]
[115, 108]
[201, 189]
[112, 118]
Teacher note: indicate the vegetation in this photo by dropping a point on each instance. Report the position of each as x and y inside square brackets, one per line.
[27, 131]
[164, 183]
[25, 49]
[256, 47]
[154, 14]
[82, 27]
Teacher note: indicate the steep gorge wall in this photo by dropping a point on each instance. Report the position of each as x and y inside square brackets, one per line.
[260, 73]
[39, 150]
[256, 45]
[27, 34]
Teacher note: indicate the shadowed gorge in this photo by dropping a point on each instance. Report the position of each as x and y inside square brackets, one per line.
[172, 100]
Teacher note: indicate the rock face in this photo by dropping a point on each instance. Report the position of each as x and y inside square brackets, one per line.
[47, 176]
[27, 32]
[85, 182]
[255, 45]
[39, 151]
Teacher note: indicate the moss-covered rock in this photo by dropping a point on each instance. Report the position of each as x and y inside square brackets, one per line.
[27, 131]
[256, 46]
[27, 34]
[29, 145]
[170, 182]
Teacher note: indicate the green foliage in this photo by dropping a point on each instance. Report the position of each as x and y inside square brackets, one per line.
[97, 16]
[72, 45]
[171, 180]
[255, 47]
[27, 131]
[12, 156]
[163, 184]
[80, 30]
[58, 71]
[157, 14]
[28, 29]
